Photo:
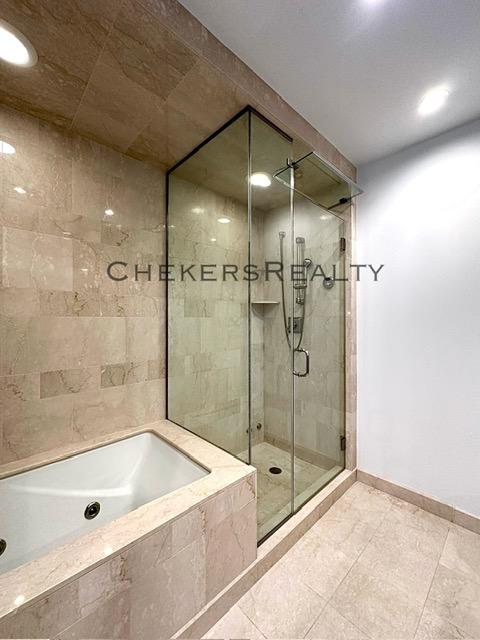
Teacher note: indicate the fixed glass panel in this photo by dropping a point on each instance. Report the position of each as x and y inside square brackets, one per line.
[322, 183]
[208, 339]
[319, 359]
[271, 355]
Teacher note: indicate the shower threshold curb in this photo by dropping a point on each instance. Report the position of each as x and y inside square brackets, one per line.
[270, 552]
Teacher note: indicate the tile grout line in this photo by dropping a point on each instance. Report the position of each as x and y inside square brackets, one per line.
[246, 615]
[431, 583]
[351, 568]
[321, 610]
[328, 600]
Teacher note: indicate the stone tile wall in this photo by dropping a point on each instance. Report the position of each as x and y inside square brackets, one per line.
[80, 354]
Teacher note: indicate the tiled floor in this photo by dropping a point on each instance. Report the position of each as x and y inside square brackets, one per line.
[372, 567]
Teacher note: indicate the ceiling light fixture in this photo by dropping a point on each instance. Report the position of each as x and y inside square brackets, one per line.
[433, 100]
[198, 210]
[109, 212]
[6, 148]
[224, 220]
[20, 190]
[15, 48]
[260, 180]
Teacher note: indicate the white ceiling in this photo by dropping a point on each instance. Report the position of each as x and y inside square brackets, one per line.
[356, 69]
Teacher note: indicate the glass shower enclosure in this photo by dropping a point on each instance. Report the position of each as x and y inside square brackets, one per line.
[256, 308]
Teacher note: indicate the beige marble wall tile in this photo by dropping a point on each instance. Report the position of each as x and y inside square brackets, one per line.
[110, 620]
[17, 303]
[62, 318]
[236, 536]
[101, 584]
[57, 383]
[36, 260]
[19, 388]
[69, 303]
[45, 618]
[68, 49]
[33, 426]
[113, 375]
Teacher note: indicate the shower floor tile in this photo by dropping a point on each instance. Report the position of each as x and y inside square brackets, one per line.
[274, 490]
[373, 567]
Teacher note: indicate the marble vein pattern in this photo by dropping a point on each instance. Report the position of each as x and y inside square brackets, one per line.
[80, 355]
[373, 567]
[149, 572]
[142, 76]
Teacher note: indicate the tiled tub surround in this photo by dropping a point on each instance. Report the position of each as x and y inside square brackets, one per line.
[147, 573]
[47, 506]
[81, 355]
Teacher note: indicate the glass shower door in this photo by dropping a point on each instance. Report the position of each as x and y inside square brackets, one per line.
[319, 356]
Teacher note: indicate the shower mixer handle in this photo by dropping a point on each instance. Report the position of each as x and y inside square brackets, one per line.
[307, 363]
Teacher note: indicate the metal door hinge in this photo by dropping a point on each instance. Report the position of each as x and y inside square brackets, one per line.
[343, 443]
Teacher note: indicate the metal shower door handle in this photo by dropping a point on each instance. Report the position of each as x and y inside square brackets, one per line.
[307, 364]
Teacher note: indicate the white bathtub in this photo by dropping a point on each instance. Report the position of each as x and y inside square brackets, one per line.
[44, 508]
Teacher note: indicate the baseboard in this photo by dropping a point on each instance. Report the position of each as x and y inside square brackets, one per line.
[433, 505]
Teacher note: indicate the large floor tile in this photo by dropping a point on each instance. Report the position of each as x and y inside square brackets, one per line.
[456, 598]
[234, 624]
[462, 552]
[318, 563]
[394, 559]
[333, 626]
[432, 627]
[349, 529]
[377, 607]
[363, 497]
[408, 525]
[281, 605]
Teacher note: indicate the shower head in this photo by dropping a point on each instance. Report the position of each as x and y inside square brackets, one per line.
[300, 240]
[281, 234]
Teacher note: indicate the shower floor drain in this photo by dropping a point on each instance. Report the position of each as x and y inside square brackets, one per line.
[275, 470]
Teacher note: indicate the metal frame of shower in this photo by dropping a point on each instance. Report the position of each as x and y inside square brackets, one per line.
[290, 164]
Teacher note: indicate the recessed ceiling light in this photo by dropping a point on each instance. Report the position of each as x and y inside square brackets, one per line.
[15, 47]
[433, 100]
[109, 212]
[213, 239]
[224, 220]
[260, 180]
[20, 190]
[198, 210]
[6, 148]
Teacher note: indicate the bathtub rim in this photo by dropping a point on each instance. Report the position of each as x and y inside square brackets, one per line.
[40, 577]
[62, 454]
